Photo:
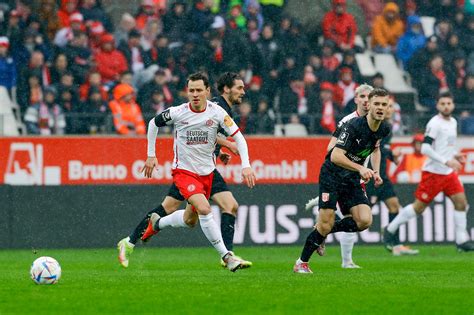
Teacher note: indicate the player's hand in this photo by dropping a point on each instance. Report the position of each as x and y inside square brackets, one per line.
[150, 163]
[378, 181]
[366, 173]
[454, 164]
[224, 157]
[461, 157]
[249, 177]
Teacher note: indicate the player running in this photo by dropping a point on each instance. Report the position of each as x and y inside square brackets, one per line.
[439, 174]
[231, 88]
[196, 125]
[340, 178]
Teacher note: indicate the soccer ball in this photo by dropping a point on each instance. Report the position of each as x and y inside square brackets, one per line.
[45, 270]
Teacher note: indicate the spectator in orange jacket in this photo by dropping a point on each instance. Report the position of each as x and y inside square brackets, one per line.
[127, 114]
[387, 29]
[110, 62]
[409, 169]
[340, 26]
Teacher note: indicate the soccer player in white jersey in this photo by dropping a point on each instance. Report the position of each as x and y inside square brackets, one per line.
[196, 124]
[439, 174]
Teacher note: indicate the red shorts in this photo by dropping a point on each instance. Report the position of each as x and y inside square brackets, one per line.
[432, 184]
[190, 183]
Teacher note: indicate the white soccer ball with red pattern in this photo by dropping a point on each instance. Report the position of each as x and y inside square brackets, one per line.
[45, 270]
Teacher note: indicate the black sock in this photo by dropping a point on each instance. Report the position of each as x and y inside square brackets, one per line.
[313, 241]
[396, 238]
[160, 210]
[345, 225]
[227, 230]
[141, 227]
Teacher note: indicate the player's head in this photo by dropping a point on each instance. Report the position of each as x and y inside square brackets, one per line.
[379, 101]
[445, 104]
[231, 86]
[362, 98]
[198, 88]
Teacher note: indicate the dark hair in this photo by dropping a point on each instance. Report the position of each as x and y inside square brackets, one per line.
[444, 94]
[199, 76]
[378, 92]
[227, 79]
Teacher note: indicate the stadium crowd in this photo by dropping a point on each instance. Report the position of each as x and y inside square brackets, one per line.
[69, 68]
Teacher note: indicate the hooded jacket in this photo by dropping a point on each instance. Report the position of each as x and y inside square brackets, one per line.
[385, 33]
[127, 116]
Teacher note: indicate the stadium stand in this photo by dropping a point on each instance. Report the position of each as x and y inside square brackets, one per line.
[59, 44]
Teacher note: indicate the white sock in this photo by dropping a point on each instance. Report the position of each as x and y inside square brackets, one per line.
[460, 224]
[176, 220]
[347, 244]
[211, 230]
[403, 216]
[128, 241]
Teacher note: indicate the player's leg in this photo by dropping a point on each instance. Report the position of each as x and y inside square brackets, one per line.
[347, 242]
[463, 243]
[228, 206]
[211, 231]
[398, 248]
[127, 244]
[430, 185]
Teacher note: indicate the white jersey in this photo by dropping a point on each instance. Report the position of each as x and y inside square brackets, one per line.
[195, 135]
[444, 133]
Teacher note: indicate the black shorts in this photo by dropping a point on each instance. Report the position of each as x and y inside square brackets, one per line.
[381, 193]
[347, 194]
[218, 185]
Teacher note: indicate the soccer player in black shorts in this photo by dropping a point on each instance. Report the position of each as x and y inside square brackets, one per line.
[339, 180]
[386, 193]
[231, 88]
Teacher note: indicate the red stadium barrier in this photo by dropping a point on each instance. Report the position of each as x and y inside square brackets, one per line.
[115, 160]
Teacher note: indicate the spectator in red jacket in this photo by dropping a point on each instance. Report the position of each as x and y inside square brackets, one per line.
[110, 62]
[340, 26]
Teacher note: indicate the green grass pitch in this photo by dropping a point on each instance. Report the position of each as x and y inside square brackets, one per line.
[190, 281]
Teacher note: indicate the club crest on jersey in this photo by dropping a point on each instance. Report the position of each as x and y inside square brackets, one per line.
[209, 122]
[191, 188]
[228, 121]
[325, 197]
[343, 138]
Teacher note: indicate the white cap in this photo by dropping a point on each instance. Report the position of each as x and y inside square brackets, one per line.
[218, 22]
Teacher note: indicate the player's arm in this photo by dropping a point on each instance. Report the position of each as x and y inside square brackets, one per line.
[228, 144]
[427, 149]
[231, 128]
[160, 120]
[338, 157]
[332, 143]
[338, 154]
[375, 159]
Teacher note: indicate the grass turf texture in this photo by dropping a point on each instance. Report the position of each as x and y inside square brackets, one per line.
[191, 281]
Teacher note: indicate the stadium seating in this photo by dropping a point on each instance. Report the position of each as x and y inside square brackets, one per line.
[365, 64]
[428, 22]
[393, 75]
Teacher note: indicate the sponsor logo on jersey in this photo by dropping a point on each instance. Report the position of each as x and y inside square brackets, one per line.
[166, 115]
[209, 122]
[197, 137]
[228, 121]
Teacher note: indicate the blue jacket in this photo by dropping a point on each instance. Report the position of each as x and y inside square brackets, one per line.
[410, 42]
[7, 72]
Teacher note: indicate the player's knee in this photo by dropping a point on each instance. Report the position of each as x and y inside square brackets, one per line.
[460, 205]
[364, 223]
[191, 221]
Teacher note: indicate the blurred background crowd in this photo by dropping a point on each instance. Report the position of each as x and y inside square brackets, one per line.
[75, 67]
